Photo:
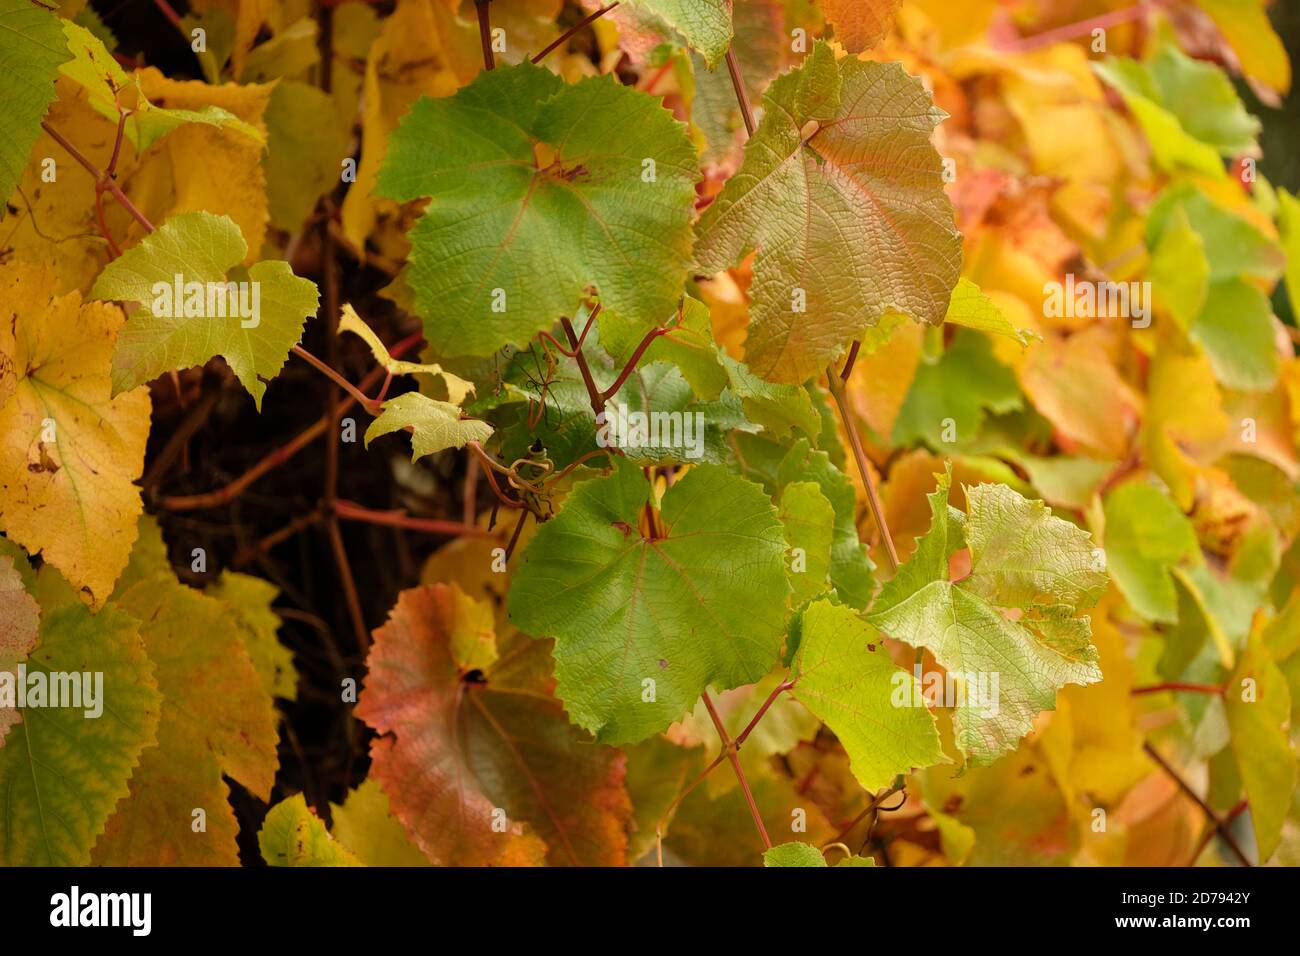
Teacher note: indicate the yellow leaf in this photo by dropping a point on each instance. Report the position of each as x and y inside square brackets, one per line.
[1073, 383]
[218, 170]
[1183, 409]
[69, 451]
[416, 55]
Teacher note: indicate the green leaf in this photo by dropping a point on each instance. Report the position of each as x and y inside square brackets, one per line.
[110, 88]
[704, 24]
[1146, 535]
[1022, 555]
[32, 49]
[539, 190]
[436, 426]
[1188, 108]
[1235, 328]
[1180, 270]
[1234, 247]
[955, 392]
[306, 143]
[841, 193]
[971, 308]
[292, 835]
[643, 626]
[851, 568]
[844, 675]
[63, 772]
[1289, 226]
[778, 408]
[204, 251]
[805, 854]
[1257, 702]
[794, 854]
[1011, 669]
[809, 521]
[691, 348]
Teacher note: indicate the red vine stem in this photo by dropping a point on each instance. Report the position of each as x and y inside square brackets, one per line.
[731, 750]
[572, 30]
[485, 33]
[1215, 820]
[371, 405]
[593, 393]
[1073, 31]
[99, 176]
[172, 17]
[396, 518]
[836, 387]
[1210, 830]
[284, 453]
[771, 699]
[1178, 685]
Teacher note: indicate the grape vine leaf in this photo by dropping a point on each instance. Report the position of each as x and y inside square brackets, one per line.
[203, 249]
[306, 143]
[32, 49]
[538, 190]
[643, 625]
[217, 720]
[69, 452]
[456, 742]
[1235, 327]
[958, 390]
[809, 521]
[61, 771]
[366, 827]
[110, 89]
[435, 425]
[1257, 702]
[1021, 557]
[844, 675]
[20, 621]
[841, 194]
[1146, 536]
[970, 308]
[1246, 27]
[248, 602]
[1188, 109]
[778, 467]
[704, 24]
[457, 388]
[860, 24]
[1234, 247]
[805, 854]
[292, 835]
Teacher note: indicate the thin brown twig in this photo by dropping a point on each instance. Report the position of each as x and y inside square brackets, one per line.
[781, 688]
[572, 30]
[371, 405]
[864, 469]
[733, 756]
[277, 457]
[1210, 830]
[98, 175]
[485, 33]
[1178, 686]
[396, 518]
[738, 83]
[593, 393]
[1215, 820]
